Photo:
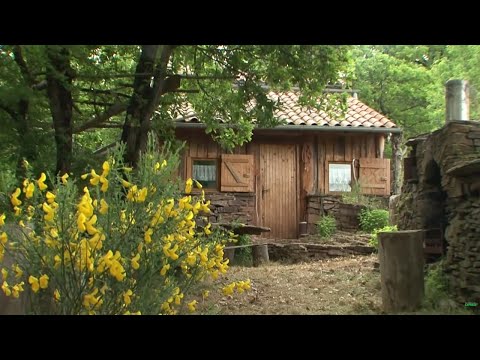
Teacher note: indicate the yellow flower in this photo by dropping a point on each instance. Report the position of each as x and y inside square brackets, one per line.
[207, 230]
[106, 168]
[64, 178]
[132, 193]
[34, 282]
[41, 182]
[17, 289]
[43, 281]
[148, 236]
[2, 219]
[3, 238]
[6, 289]
[126, 297]
[164, 163]
[4, 274]
[192, 305]
[126, 184]
[50, 197]
[191, 259]
[18, 271]
[14, 197]
[205, 207]
[104, 182]
[81, 219]
[29, 190]
[58, 261]
[56, 295]
[135, 263]
[228, 290]
[142, 195]
[17, 210]
[198, 184]
[103, 207]
[188, 186]
[49, 212]
[84, 176]
[164, 270]
[205, 294]
[89, 225]
[95, 178]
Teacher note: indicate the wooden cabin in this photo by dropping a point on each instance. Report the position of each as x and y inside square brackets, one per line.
[270, 181]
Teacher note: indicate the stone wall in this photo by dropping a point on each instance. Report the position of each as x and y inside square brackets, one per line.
[228, 207]
[301, 252]
[345, 214]
[445, 194]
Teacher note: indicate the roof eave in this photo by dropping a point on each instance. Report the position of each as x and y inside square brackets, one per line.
[314, 128]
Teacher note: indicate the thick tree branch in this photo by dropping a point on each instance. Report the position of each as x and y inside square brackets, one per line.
[115, 109]
[18, 57]
[108, 92]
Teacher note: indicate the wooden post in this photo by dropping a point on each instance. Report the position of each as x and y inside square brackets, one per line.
[260, 254]
[230, 255]
[401, 269]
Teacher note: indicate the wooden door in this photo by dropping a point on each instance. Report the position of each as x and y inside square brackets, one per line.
[278, 190]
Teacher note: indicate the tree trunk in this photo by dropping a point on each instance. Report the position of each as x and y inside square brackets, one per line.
[397, 163]
[59, 78]
[260, 254]
[144, 100]
[401, 268]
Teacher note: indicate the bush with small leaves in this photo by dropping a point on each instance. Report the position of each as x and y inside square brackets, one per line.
[373, 219]
[326, 226]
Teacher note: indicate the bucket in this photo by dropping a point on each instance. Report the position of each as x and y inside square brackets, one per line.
[303, 229]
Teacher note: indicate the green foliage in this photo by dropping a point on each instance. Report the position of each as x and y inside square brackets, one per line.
[398, 81]
[438, 298]
[7, 185]
[326, 226]
[374, 238]
[355, 197]
[243, 256]
[129, 243]
[373, 219]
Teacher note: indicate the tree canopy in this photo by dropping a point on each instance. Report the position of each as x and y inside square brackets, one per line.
[69, 92]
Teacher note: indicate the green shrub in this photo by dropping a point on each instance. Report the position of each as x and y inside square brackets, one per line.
[129, 243]
[356, 197]
[243, 256]
[374, 238]
[327, 226]
[373, 219]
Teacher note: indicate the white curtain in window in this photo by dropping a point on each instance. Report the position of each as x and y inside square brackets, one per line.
[340, 176]
[205, 172]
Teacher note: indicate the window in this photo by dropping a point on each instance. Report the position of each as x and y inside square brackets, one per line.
[205, 172]
[339, 177]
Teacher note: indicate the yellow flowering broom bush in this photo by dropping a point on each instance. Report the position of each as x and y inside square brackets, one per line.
[133, 242]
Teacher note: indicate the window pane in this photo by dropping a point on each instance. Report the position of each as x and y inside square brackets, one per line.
[340, 177]
[205, 172]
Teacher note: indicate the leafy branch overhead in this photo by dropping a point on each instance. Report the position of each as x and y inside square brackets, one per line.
[92, 87]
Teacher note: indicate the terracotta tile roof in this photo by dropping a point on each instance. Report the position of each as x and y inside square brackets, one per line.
[358, 114]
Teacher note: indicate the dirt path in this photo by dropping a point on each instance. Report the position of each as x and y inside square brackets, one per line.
[346, 285]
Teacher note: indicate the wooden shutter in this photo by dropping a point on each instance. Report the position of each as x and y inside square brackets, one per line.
[374, 176]
[237, 173]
